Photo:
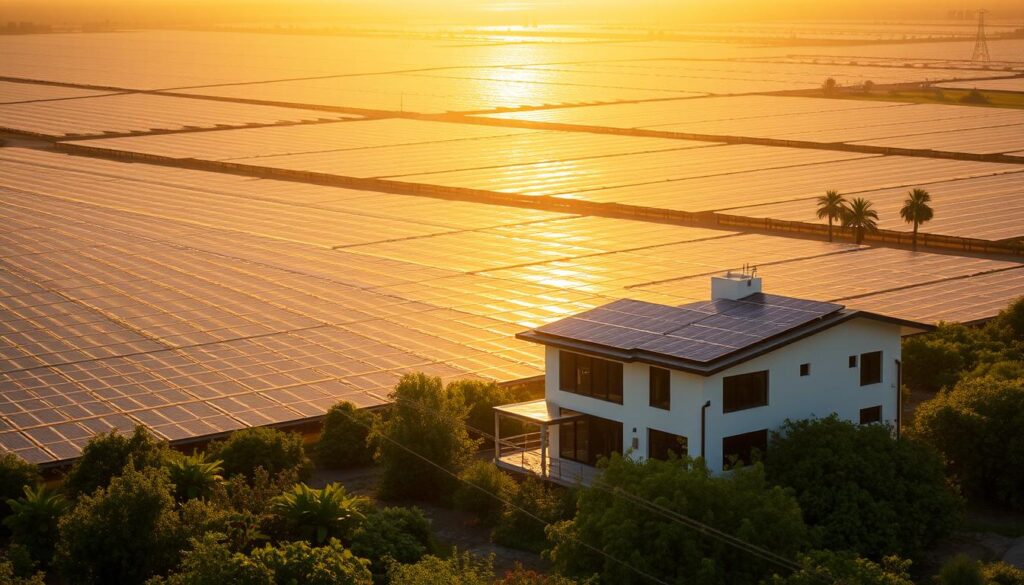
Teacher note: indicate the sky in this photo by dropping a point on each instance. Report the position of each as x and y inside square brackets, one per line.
[335, 13]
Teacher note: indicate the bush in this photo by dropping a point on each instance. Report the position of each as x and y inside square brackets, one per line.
[977, 427]
[194, 476]
[319, 514]
[740, 503]
[398, 534]
[248, 449]
[8, 576]
[844, 567]
[961, 570]
[463, 569]
[34, 519]
[15, 474]
[521, 529]
[423, 440]
[478, 500]
[481, 398]
[123, 533]
[210, 562]
[343, 442]
[106, 455]
[1002, 574]
[862, 489]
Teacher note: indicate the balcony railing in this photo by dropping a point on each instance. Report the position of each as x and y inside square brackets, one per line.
[556, 469]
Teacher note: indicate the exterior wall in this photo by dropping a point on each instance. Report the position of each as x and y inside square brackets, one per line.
[831, 387]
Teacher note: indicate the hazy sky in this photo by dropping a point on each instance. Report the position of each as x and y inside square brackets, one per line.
[333, 12]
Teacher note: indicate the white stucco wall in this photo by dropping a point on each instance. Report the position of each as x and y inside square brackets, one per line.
[832, 386]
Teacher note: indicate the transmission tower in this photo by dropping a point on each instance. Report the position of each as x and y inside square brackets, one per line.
[980, 54]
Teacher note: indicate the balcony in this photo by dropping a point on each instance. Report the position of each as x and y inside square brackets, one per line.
[529, 452]
[554, 469]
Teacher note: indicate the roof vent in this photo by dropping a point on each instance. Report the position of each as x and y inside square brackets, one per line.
[735, 285]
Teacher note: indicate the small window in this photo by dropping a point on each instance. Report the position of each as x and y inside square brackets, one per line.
[744, 391]
[805, 369]
[853, 361]
[660, 443]
[660, 394]
[870, 415]
[870, 368]
[743, 447]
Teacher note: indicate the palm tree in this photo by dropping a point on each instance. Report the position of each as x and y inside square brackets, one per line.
[831, 205]
[916, 210]
[321, 514]
[194, 476]
[861, 217]
[34, 518]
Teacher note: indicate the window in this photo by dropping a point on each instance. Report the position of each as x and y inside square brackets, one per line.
[870, 415]
[870, 368]
[744, 391]
[660, 443]
[590, 376]
[853, 361]
[742, 447]
[660, 395]
[589, 438]
[805, 369]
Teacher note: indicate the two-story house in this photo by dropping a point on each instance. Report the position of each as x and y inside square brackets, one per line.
[709, 379]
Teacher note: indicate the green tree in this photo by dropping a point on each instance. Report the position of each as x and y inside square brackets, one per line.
[248, 449]
[976, 426]
[862, 489]
[320, 514]
[481, 482]
[521, 576]
[392, 534]
[33, 521]
[15, 474]
[425, 429]
[459, 569]
[1002, 574]
[518, 526]
[916, 210]
[845, 568]
[829, 86]
[105, 456]
[481, 398]
[8, 576]
[123, 533]
[194, 476]
[831, 205]
[860, 217]
[610, 519]
[343, 442]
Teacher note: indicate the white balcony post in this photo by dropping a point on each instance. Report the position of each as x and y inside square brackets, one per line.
[497, 437]
[544, 450]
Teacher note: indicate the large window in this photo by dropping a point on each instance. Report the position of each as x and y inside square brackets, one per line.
[870, 368]
[660, 443]
[744, 391]
[742, 447]
[589, 438]
[660, 395]
[590, 376]
[870, 415]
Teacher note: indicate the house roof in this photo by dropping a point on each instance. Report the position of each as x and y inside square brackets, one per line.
[704, 337]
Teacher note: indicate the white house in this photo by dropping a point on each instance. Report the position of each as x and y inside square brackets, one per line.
[710, 379]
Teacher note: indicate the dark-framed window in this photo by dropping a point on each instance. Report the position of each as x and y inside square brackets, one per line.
[660, 388]
[588, 438]
[590, 376]
[853, 361]
[737, 448]
[870, 368]
[872, 414]
[744, 391]
[660, 443]
[805, 369]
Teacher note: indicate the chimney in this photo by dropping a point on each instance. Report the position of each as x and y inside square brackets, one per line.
[735, 285]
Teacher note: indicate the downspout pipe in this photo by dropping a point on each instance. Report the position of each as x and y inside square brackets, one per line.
[703, 420]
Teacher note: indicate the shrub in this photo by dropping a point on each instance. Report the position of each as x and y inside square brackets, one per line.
[861, 488]
[478, 500]
[609, 519]
[977, 426]
[123, 533]
[33, 521]
[8, 576]
[106, 455]
[423, 440]
[194, 476]
[519, 527]
[343, 442]
[463, 569]
[961, 570]
[398, 534]
[1002, 574]
[319, 514]
[481, 398]
[844, 567]
[15, 474]
[521, 576]
[248, 449]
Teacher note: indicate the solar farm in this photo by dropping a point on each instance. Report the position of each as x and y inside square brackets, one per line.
[203, 231]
